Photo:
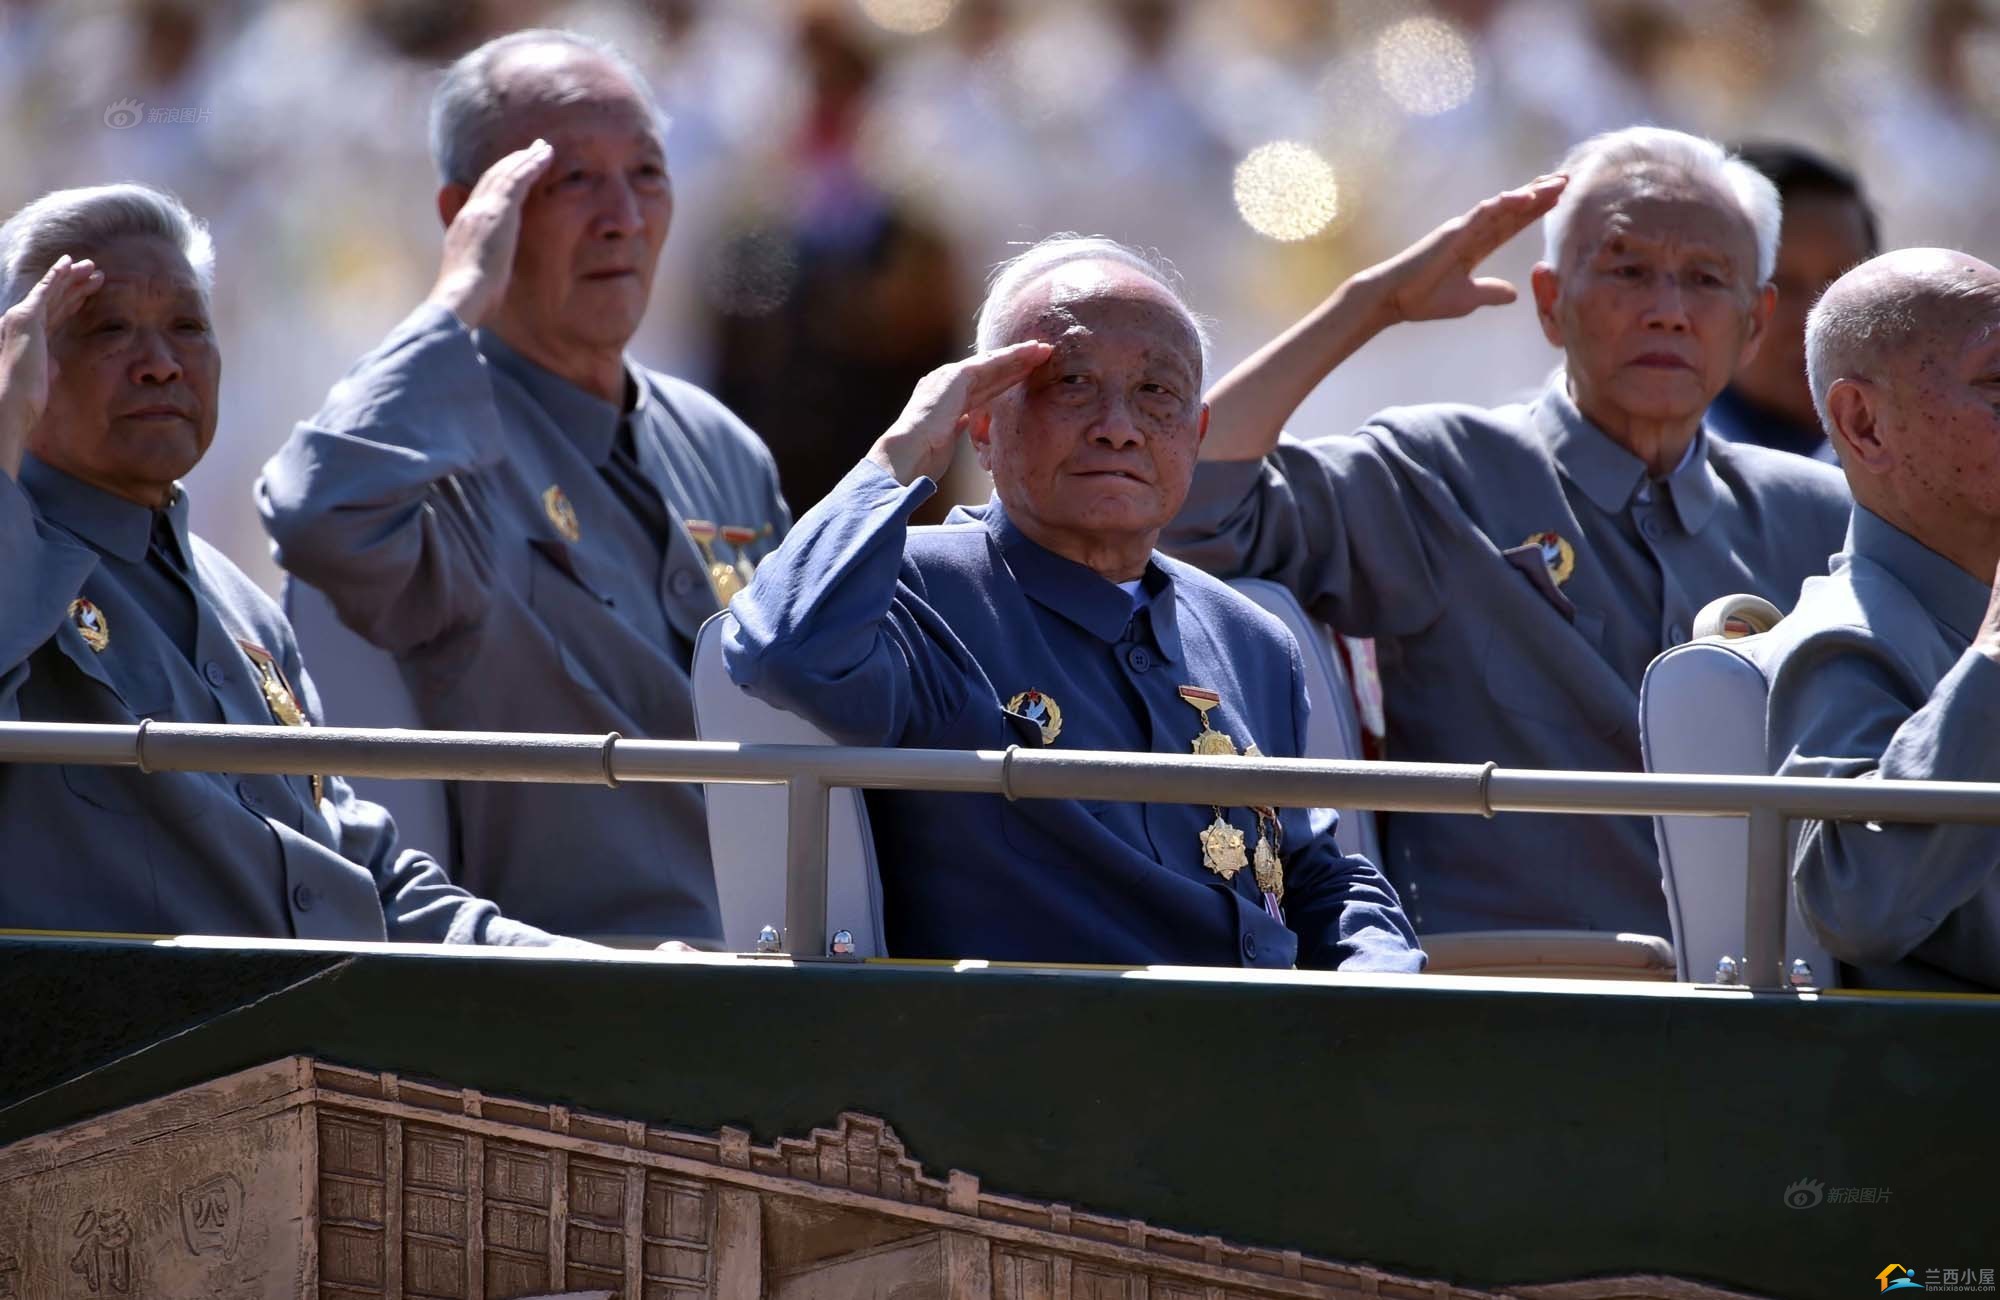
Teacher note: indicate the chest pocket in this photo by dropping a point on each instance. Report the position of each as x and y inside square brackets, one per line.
[567, 603]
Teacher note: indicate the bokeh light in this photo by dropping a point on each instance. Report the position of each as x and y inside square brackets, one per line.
[1861, 17]
[907, 16]
[1425, 65]
[1286, 191]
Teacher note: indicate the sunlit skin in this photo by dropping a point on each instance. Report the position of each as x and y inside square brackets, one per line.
[1093, 453]
[1655, 305]
[134, 372]
[1823, 236]
[592, 218]
[1917, 425]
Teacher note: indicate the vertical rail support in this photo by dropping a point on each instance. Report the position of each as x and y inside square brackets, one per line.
[1766, 902]
[805, 866]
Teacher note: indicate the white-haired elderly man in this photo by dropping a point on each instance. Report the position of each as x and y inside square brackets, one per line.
[1890, 667]
[534, 524]
[111, 611]
[1519, 567]
[1046, 618]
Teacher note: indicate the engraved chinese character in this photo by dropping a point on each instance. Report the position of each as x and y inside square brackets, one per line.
[104, 1252]
[211, 1215]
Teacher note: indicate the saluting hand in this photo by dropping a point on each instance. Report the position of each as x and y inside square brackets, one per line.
[1432, 279]
[26, 368]
[921, 441]
[480, 241]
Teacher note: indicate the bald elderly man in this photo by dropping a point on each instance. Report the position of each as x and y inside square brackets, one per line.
[1046, 618]
[111, 611]
[1890, 666]
[532, 522]
[1520, 567]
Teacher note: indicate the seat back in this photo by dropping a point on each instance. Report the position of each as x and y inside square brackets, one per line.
[746, 823]
[1701, 710]
[360, 686]
[1334, 729]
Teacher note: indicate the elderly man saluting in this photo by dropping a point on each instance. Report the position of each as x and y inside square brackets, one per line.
[532, 523]
[111, 611]
[1520, 567]
[1890, 667]
[1047, 618]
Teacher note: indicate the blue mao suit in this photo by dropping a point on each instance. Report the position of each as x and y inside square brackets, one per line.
[111, 612]
[887, 635]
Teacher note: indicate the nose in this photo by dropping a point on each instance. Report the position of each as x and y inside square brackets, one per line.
[155, 363]
[619, 215]
[1668, 309]
[1117, 430]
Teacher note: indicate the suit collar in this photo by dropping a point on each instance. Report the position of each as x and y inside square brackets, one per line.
[1953, 596]
[1611, 476]
[110, 524]
[590, 422]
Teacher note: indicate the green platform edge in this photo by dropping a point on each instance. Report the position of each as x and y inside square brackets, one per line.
[1516, 1133]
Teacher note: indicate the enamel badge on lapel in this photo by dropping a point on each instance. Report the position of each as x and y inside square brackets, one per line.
[90, 624]
[279, 699]
[555, 502]
[1558, 556]
[1041, 710]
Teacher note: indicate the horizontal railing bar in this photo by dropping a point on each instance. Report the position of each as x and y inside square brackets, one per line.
[1020, 774]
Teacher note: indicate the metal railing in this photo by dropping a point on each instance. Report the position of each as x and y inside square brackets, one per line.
[809, 772]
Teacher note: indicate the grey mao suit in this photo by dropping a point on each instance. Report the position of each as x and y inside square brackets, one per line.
[1424, 531]
[520, 547]
[1873, 675]
[111, 612]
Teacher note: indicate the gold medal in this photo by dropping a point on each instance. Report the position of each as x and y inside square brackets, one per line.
[1209, 742]
[740, 537]
[1222, 848]
[722, 576]
[1558, 556]
[1268, 864]
[1041, 710]
[279, 699]
[90, 624]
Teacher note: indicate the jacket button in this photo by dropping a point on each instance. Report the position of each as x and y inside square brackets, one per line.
[303, 897]
[215, 673]
[681, 581]
[1140, 658]
[248, 794]
[1676, 634]
[1249, 947]
[1652, 527]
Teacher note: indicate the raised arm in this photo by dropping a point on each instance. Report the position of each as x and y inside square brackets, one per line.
[1432, 279]
[830, 630]
[373, 500]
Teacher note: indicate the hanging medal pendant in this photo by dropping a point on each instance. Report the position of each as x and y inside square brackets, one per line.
[1269, 868]
[1208, 742]
[740, 537]
[722, 577]
[1222, 849]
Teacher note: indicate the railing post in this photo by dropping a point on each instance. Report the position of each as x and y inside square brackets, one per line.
[1766, 902]
[805, 866]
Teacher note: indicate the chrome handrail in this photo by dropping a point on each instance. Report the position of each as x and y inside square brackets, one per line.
[809, 771]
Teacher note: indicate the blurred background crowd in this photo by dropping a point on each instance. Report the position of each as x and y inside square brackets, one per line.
[847, 171]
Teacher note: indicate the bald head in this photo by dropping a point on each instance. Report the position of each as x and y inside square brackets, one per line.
[1897, 313]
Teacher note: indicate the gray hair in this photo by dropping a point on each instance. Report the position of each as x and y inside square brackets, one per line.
[469, 110]
[1884, 305]
[1699, 159]
[1015, 274]
[82, 220]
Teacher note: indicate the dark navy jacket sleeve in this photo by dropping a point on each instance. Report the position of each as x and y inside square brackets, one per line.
[40, 574]
[1343, 909]
[835, 627]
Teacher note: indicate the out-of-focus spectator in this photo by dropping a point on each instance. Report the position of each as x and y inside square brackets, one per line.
[1828, 228]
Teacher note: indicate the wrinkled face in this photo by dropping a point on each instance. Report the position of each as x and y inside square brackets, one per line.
[1099, 444]
[1824, 235]
[1655, 303]
[133, 403]
[593, 225]
[1940, 417]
